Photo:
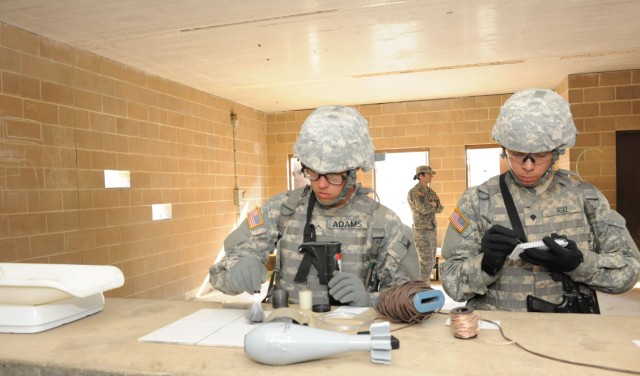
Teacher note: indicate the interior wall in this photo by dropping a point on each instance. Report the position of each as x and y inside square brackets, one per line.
[445, 126]
[67, 115]
[601, 103]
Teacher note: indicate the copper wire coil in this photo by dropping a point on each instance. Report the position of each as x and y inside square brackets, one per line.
[464, 322]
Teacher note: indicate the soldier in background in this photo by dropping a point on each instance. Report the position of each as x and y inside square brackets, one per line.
[534, 128]
[425, 204]
[333, 144]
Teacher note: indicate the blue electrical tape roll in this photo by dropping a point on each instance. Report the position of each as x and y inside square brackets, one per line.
[428, 301]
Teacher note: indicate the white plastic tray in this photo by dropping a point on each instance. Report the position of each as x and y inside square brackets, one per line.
[36, 284]
[38, 297]
[35, 319]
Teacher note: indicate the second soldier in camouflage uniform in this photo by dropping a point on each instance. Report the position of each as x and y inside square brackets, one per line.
[425, 204]
[333, 144]
[534, 128]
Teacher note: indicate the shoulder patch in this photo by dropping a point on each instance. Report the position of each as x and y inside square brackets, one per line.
[458, 220]
[254, 218]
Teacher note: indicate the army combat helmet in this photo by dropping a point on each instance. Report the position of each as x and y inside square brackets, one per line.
[335, 139]
[534, 121]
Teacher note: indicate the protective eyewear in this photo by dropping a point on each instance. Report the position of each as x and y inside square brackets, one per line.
[521, 158]
[335, 178]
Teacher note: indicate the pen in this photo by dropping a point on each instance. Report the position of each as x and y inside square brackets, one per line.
[491, 223]
[339, 260]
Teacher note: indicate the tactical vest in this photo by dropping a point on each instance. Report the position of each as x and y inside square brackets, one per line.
[361, 238]
[567, 208]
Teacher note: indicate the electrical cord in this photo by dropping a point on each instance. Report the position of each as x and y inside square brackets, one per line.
[559, 359]
[396, 305]
[550, 357]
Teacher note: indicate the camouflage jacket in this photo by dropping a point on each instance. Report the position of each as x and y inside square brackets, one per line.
[424, 214]
[557, 206]
[280, 227]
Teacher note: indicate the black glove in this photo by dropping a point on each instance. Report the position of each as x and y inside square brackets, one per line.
[557, 258]
[497, 243]
[248, 274]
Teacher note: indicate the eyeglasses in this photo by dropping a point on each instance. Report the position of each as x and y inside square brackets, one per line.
[521, 158]
[335, 178]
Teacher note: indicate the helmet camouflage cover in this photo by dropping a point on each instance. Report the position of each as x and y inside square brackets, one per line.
[335, 139]
[534, 121]
[425, 170]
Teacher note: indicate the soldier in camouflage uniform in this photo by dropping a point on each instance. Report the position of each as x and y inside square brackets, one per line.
[425, 204]
[332, 145]
[534, 128]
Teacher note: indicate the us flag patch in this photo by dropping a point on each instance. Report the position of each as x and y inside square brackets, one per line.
[458, 220]
[254, 218]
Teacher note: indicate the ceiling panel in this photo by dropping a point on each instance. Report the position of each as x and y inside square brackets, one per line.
[286, 55]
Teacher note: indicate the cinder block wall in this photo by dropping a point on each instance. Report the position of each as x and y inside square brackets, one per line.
[67, 115]
[602, 103]
[444, 126]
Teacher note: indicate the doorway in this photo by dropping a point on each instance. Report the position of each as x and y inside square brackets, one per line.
[483, 162]
[628, 180]
[393, 178]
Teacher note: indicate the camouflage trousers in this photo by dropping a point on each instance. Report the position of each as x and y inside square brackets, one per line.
[426, 242]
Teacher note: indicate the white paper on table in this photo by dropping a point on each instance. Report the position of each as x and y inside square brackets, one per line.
[206, 327]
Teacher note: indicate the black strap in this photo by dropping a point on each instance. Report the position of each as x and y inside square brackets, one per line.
[309, 237]
[308, 259]
[309, 229]
[514, 218]
[271, 288]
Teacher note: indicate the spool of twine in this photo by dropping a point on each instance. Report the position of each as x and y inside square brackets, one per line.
[464, 322]
[396, 303]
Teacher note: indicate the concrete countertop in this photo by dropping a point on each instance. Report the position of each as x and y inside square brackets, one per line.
[107, 344]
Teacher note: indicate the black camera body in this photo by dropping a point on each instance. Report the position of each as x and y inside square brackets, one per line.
[571, 303]
[574, 300]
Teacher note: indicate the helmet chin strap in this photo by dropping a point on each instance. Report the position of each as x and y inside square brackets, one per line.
[351, 182]
[556, 156]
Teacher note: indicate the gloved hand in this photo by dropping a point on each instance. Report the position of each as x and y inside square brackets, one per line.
[497, 243]
[349, 289]
[248, 274]
[557, 258]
